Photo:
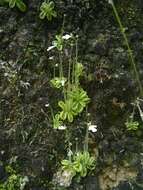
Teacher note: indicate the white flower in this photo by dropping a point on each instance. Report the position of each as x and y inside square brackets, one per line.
[62, 127]
[51, 58]
[2, 63]
[5, 74]
[70, 153]
[46, 105]
[92, 128]
[25, 84]
[66, 37]
[50, 48]
[2, 151]
[110, 2]
[63, 82]
[23, 182]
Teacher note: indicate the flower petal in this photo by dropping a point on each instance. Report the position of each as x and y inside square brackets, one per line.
[50, 48]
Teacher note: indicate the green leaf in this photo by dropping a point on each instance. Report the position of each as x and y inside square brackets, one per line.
[70, 117]
[61, 104]
[78, 167]
[49, 17]
[54, 14]
[21, 5]
[65, 162]
[12, 3]
[51, 5]
[83, 172]
[63, 115]
[42, 15]
[56, 121]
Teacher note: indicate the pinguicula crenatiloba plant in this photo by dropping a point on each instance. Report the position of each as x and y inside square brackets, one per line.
[47, 10]
[130, 123]
[75, 97]
[74, 102]
[16, 3]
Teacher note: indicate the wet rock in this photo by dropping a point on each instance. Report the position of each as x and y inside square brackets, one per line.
[140, 177]
[76, 186]
[98, 45]
[2, 172]
[38, 188]
[114, 175]
[124, 186]
[92, 183]
[24, 119]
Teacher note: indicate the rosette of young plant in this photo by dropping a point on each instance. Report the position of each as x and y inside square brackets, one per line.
[17, 3]
[72, 106]
[132, 125]
[80, 164]
[76, 100]
[80, 99]
[57, 123]
[58, 82]
[67, 112]
[59, 42]
[47, 10]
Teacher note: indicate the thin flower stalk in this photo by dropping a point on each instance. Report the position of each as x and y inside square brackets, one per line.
[130, 53]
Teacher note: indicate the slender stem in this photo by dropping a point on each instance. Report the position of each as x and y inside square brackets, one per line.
[76, 55]
[52, 112]
[61, 65]
[76, 145]
[63, 24]
[130, 54]
[54, 72]
[86, 139]
[87, 131]
[65, 93]
[69, 149]
[73, 68]
[69, 145]
[69, 69]
[76, 61]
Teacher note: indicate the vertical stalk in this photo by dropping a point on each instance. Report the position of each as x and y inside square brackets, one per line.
[87, 131]
[76, 145]
[130, 54]
[74, 63]
[61, 74]
[69, 69]
[54, 72]
[86, 140]
[60, 53]
[52, 112]
[61, 65]
[69, 145]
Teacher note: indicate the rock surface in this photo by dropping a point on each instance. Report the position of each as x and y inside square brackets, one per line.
[25, 71]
